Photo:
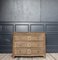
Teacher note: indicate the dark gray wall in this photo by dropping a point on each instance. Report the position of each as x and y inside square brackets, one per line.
[28, 16]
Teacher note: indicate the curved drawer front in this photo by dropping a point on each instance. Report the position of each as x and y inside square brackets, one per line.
[28, 44]
[29, 51]
[28, 38]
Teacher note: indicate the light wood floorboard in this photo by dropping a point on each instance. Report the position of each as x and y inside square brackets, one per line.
[54, 55]
[49, 56]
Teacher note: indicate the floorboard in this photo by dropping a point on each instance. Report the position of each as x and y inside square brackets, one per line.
[49, 56]
[54, 55]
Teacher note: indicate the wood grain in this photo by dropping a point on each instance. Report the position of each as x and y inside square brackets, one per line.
[29, 44]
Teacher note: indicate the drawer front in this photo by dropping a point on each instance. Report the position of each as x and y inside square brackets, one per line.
[28, 38]
[19, 44]
[18, 38]
[28, 51]
[19, 51]
[28, 44]
[38, 51]
[37, 44]
[35, 51]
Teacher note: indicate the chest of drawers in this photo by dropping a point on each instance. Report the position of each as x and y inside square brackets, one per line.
[29, 44]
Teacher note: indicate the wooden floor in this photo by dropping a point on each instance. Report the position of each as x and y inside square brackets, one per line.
[49, 56]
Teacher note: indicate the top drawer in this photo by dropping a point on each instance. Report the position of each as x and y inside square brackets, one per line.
[29, 36]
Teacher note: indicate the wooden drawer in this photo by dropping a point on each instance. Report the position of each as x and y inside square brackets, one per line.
[35, 51]
[28, 44]
[28, 38]
[19, 51]
[29, 51]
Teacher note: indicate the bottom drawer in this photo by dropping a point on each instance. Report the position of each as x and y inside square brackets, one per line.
[29, 51]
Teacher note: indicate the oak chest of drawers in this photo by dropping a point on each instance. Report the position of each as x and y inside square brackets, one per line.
[29, 44]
